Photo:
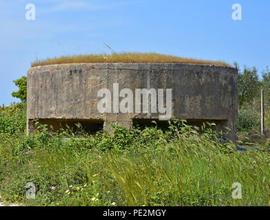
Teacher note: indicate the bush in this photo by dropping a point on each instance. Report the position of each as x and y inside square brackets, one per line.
[248, 120]
[13, 119]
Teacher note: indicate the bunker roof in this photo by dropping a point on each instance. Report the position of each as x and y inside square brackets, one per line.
[126, 58]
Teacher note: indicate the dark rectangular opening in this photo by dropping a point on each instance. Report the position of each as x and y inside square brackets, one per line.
[144, 123]
[199, 122]
[77, 126]
[164, 125]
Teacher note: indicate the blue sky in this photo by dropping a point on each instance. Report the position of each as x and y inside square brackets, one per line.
[190, 28]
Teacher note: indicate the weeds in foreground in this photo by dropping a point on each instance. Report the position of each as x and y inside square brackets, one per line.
[180, 166]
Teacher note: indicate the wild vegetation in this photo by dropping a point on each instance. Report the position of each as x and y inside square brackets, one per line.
[182, 165]
[249, 89]
[125, 58]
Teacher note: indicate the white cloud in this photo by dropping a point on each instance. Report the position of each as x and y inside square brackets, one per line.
[16, 31]
[69, 6]
[54, 6]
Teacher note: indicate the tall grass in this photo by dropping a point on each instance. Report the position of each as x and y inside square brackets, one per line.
[125, 58]
[181, 166]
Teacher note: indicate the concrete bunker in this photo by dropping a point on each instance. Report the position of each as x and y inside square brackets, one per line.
[66, 94]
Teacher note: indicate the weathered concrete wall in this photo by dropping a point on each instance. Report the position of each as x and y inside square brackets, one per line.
[69, 91]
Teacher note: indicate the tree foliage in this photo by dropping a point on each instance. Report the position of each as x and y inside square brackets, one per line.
[21, 93]
[248, 86]
[266, 85]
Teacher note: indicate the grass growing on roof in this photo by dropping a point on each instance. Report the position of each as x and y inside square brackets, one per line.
[126, 58]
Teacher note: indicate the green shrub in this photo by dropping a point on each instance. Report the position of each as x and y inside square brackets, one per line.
[13, 119]
[181, 166]
[248, 120]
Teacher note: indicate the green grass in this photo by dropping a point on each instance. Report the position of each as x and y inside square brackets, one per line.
[181, 166]
[126, 58]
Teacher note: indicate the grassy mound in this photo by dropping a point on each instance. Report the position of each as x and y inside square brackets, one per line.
[181, 166]
[126, 58]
